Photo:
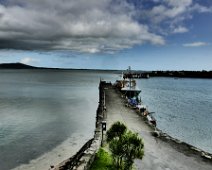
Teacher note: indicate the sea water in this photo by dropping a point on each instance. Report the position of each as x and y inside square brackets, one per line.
[44, 113]
[40, 109]
[183, 108]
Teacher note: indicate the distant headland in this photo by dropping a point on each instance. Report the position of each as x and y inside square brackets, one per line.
[175, 74]
[17, 66]
[25, 66]
[134, 73]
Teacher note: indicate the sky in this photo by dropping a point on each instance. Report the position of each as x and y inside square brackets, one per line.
[107, 34]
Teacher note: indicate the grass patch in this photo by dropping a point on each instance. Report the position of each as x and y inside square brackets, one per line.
[103, 161]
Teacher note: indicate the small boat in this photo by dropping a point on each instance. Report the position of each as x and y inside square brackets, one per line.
[129, 87]
[151, 119]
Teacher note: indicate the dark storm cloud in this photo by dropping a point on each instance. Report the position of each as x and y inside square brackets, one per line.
[85, 26]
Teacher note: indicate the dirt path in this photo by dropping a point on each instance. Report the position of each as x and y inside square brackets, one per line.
[159, 155]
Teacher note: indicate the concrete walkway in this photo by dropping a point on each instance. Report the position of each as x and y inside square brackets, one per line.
[159, 155]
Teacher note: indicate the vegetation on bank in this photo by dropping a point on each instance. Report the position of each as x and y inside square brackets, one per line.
[182, 74]
[124, 147]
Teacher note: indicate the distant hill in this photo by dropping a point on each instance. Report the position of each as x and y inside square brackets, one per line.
[25, 66]
[16, 66]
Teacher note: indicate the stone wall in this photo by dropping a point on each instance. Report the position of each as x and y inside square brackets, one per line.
[84, 158]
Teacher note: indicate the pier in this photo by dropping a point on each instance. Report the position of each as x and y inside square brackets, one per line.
[161, 151]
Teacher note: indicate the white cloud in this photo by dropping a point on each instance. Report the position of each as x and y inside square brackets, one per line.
[166, 14]
[180, 29]
[195, 44]
[178, 3]
[200, 8]
[29, 60]
[169, 9]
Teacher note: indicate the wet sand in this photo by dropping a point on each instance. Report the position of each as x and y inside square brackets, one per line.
[159, 154]
[62, 152]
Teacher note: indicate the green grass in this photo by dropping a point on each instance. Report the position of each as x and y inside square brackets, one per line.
[103, 161]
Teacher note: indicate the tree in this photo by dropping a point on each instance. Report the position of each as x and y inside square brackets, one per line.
[124, 145]
[116, 130]
[133, 148]
[117, 151]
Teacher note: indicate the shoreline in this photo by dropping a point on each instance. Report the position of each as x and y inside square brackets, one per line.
[58, 154]
[205, 74]
[184, 145]
[166, 137]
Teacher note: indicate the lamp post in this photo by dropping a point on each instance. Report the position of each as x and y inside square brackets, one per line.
[104, 127]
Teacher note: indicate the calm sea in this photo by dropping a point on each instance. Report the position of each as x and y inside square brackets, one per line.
[39, 109]
[183, 108]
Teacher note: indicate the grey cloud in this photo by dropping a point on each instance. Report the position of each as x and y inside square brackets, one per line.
[87, 26]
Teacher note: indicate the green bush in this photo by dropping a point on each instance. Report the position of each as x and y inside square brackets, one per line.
[103, 161]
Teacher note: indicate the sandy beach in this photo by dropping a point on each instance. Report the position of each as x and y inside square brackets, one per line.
[159, 154]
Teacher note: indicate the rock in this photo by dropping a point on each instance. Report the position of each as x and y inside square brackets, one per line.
[156, 133]
[206, 155]
[196, 149]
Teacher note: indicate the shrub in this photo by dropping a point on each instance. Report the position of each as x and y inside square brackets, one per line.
[124, 145]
